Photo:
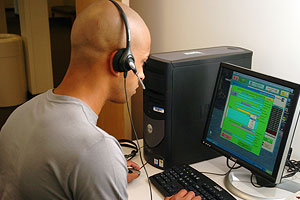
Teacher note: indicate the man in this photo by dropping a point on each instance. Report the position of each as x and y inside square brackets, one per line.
[50, 147]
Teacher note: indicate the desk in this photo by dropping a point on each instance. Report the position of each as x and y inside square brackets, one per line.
[139, 188]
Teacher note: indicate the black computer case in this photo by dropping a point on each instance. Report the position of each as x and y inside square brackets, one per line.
[179, 87]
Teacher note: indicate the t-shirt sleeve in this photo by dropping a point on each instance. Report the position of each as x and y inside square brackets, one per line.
[100, 173]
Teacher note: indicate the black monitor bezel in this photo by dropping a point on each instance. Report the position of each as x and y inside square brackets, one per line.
[272, 178]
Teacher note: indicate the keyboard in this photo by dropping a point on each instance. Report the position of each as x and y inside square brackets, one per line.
[184, 176]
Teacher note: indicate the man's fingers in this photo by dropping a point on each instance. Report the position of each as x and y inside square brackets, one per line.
[133, 164]
[181, 193]
[197, 198]
[132, 176]
[190, 195]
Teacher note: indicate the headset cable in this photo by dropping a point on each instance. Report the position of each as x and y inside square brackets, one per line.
[136, 137]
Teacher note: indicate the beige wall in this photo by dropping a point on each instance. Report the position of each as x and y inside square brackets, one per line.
[269, 28]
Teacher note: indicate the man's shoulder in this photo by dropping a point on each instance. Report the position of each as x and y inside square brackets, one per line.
[102, 141]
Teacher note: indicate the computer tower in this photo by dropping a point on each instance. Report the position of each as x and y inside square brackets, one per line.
[179, 87]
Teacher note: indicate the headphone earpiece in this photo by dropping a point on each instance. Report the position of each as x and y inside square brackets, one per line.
[123, 61]
[116, 61]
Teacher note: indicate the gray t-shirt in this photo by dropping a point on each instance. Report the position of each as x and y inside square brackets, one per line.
[51, 148]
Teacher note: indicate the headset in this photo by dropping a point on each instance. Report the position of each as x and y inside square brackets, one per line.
[123, 60]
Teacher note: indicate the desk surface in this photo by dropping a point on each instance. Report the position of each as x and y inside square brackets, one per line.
[139, 188]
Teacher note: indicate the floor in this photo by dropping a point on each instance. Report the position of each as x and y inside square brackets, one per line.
[60, 29]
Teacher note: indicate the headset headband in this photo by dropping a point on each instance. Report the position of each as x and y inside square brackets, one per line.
[128, 37]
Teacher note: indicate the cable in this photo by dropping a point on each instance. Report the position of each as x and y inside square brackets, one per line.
[212, 173]
[293, 167]
[227, 163]
[251, 179]
[144, 165]
[230, 168]
[129, 144]
[136, 137]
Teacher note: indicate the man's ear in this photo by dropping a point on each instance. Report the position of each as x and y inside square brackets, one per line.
[111, 66]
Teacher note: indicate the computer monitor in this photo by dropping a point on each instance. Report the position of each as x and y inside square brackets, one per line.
[252, 120]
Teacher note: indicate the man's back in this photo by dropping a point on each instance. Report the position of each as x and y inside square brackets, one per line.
[50, 148]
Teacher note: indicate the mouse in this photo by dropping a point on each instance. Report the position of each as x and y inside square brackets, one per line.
[131, 170]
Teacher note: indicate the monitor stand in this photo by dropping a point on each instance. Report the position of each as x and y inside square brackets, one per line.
[231, 177]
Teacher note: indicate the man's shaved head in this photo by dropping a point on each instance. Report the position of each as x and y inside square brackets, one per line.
[99, 29]
[97, 34]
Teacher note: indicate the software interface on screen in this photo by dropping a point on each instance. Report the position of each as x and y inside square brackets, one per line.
[249, 117]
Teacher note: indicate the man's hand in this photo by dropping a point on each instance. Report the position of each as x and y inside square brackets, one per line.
[132, 175]
[184, 195]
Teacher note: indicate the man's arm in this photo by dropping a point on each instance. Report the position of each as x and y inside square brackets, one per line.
[100, 173]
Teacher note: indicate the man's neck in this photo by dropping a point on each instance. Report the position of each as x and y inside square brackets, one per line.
[91, 95]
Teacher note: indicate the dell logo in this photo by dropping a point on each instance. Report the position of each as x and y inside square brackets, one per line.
[218, 188]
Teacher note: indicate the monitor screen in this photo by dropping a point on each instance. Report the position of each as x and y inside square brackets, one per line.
[251, 119]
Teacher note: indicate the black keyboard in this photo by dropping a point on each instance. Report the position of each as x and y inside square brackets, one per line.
[184, 176]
